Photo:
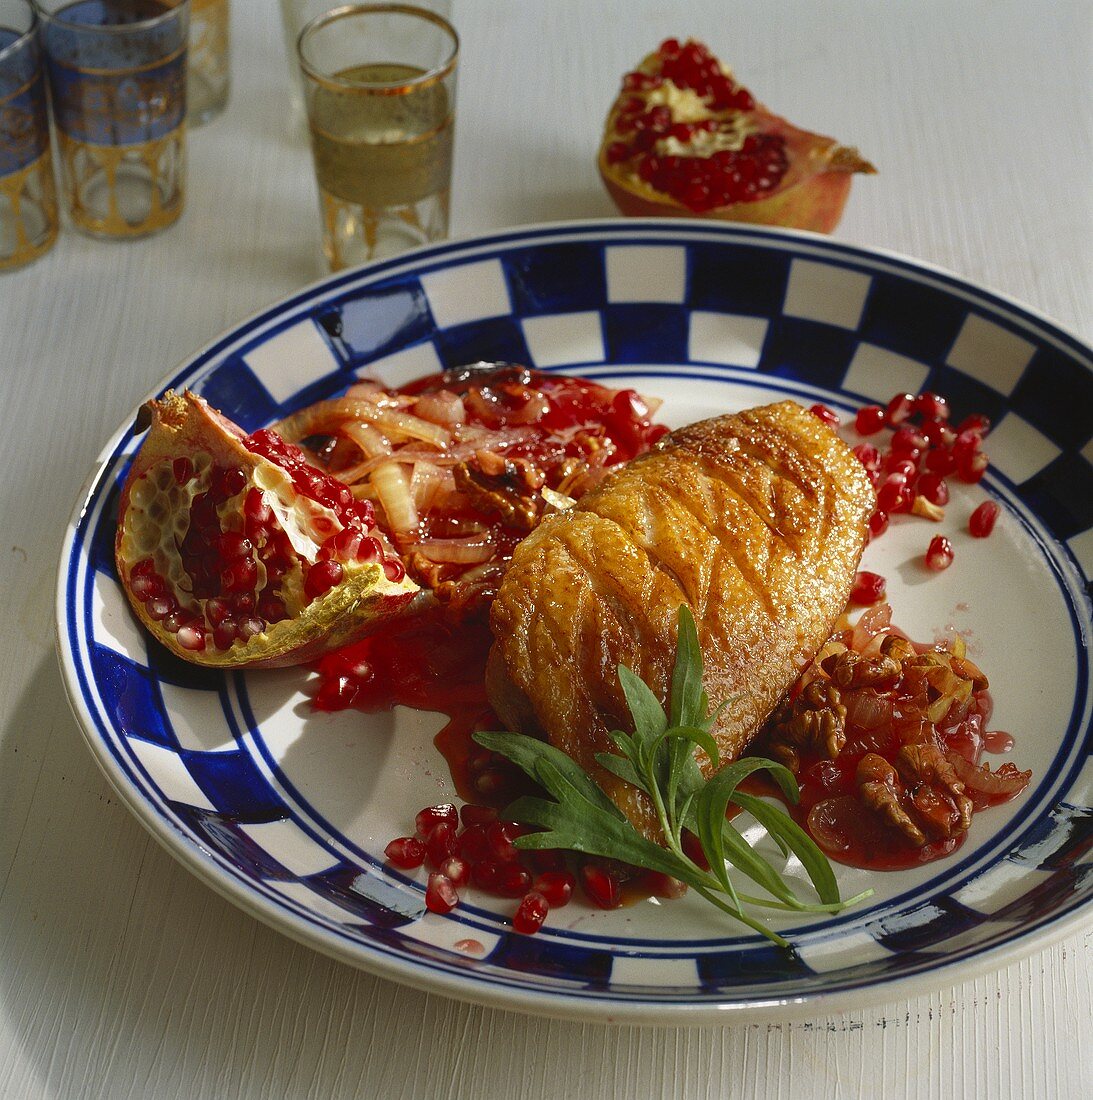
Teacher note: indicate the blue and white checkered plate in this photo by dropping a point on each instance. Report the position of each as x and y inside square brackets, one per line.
[286, 812]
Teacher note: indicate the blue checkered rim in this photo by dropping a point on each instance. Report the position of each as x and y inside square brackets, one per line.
[808, 346]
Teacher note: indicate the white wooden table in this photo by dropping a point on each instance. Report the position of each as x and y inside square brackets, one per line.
[123, 976]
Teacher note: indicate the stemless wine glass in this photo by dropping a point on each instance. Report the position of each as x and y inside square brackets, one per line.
[380, 93]
[28, 200]
[209, 74]
[117, 74]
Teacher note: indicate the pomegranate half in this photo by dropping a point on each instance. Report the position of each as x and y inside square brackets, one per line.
[234, 551]
[683, 138]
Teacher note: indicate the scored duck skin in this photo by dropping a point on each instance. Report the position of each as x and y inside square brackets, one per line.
[756, 520]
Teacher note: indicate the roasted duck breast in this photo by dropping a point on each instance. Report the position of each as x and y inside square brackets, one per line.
[756, 520]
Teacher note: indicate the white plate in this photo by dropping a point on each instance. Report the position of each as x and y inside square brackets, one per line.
[286, 812]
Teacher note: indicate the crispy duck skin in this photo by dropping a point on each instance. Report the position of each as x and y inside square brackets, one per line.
[756, 520]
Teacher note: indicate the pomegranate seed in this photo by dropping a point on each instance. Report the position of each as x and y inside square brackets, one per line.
[899, 409]
[337, 693]
[457, 870]
[868, 588]
[544, 859]
[867, 455]
[192, 637]
[272, 609]
[471, 844]
[432, 816]
[939, 554]
[823, 412]
[217, 610]
[484, 875]
[977, 422]
[937, 433]
[907, 443]
[934, 488]
[224, 634]
[932, 406]
[601, 888]
[233, 545]
[393, 570]
[321, 578]
[981, 522]
[617, 152]
[174, 622]
[869, 420]
[692, 849]
[239, 576]
[894, 493]
[531, 913]
[878, 524]
[669, 47]
[971, 467]
[145, 587]
[256, 508]
[440, 894]
[470, 814]
[556, 887]
[940, 460]
[499, 837]
[143, 568]
[406, 852]
[159, 607]
[491, 782]
[440, 844]
[903, 466]
[251, 626]
[513, 880]
[183, 469]
[661, 885]
[229, 482]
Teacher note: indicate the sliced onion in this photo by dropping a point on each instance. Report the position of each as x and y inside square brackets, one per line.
[874, 620]
[978, 778]
[866, 710]
[392, 486]
[441, 407]
[371, 441]
[424, 484]
[470, 551]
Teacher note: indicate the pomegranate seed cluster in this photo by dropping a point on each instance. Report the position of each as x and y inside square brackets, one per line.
[243, 572]
[910, 473]
[701, 163]
[473, 848]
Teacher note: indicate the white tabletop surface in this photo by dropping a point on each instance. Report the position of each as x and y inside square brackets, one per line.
[123, 976]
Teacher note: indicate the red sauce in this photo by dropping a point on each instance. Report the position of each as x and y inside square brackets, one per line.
[436, 663]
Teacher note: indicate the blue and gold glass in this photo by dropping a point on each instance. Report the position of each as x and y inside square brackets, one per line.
[117, 75]
[209, 74]
[28, 198]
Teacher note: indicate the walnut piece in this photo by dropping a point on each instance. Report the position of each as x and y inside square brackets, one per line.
[813, 722]
[506, 487]
[926, 766]
[879, 790]
[849, 670]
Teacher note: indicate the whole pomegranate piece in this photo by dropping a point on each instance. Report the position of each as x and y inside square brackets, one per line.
[234, 551]
[684, 138]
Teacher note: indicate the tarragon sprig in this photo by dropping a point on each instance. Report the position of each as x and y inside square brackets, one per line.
[658, 757]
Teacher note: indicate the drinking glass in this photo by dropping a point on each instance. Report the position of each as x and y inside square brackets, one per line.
[379, 84]
[117, 74]
[28, 200]
[208, 77]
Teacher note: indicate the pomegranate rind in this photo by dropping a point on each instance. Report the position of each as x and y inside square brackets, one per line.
[183, 426]
[811, 195]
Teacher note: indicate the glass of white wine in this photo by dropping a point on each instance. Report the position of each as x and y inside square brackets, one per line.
[380, 93]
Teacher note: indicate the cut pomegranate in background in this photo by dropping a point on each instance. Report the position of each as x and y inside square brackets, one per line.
[684, 138]
[234, 551]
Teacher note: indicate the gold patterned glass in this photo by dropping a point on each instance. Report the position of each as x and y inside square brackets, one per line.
[380, 94]
[28, 200]
[117, 73]
[208, 76]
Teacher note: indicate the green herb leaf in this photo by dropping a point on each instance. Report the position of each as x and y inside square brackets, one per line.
[658, 758]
